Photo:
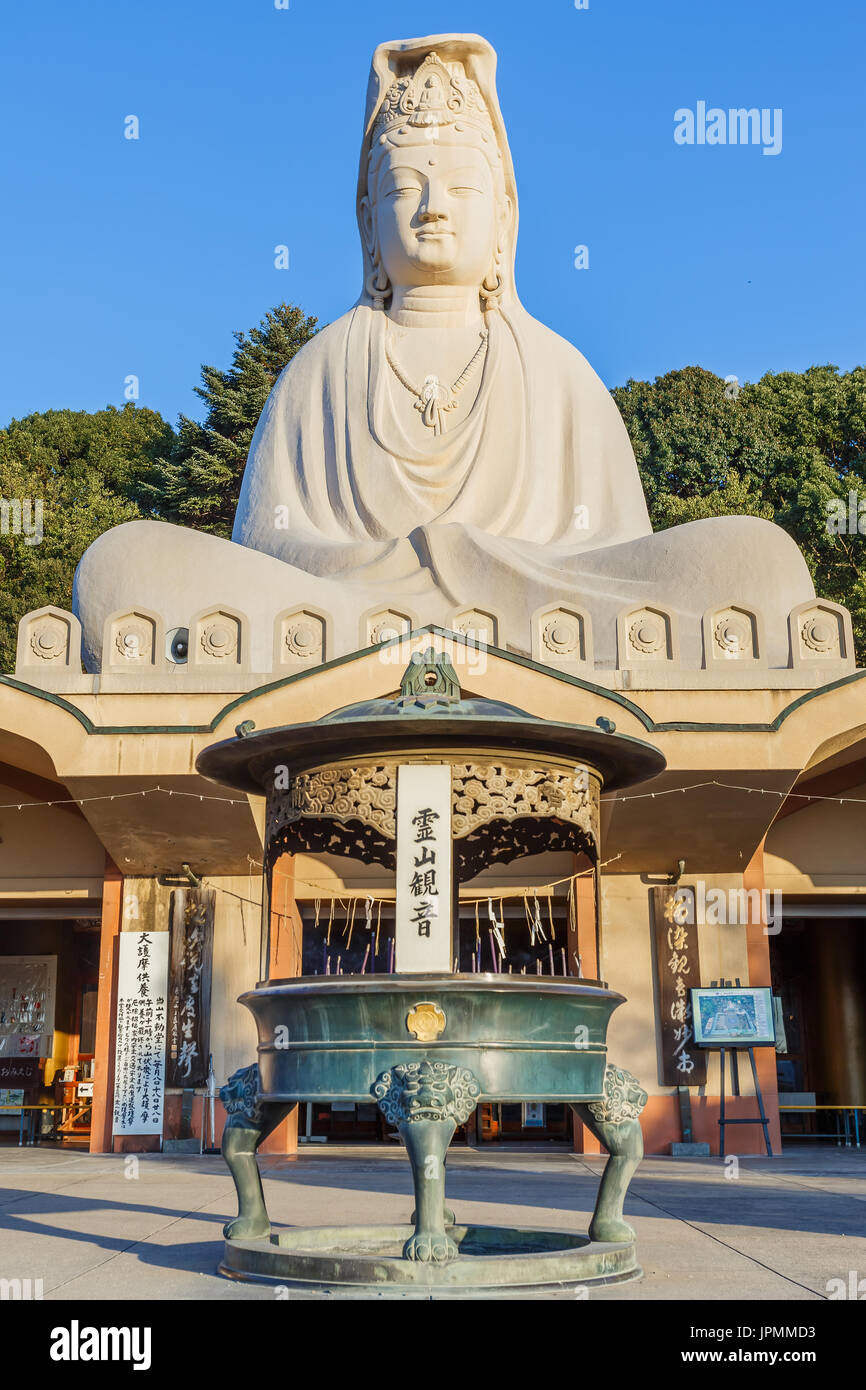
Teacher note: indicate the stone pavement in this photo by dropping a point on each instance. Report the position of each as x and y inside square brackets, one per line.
[108, 1227]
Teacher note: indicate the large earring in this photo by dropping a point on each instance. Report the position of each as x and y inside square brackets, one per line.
[491, 290]
[491, 294]
[377, 284]
[493, 284]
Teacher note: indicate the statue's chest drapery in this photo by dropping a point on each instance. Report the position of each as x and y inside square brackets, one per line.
[335, 483]
[470, 472]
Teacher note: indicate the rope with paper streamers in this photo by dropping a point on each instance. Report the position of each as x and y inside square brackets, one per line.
[122, 796]
[245, 801]
[348, 904]
[542, 890]
[734, 787]
[496, 931]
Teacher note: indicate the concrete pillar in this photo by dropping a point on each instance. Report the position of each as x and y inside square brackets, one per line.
[758, 947]
[106, 1011]
[584, 942]
[285, 962]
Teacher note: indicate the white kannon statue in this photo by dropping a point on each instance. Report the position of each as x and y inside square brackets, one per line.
[436, 446]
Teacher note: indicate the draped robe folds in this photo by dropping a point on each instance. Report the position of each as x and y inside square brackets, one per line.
[533, 498]
[540, 470]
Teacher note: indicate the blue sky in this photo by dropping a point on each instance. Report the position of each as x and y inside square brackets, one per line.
[125, 257]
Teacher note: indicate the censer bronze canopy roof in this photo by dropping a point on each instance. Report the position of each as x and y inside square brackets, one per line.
[429, 714]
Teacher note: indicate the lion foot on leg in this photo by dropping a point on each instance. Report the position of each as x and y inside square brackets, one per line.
[430, 1248]
[249, 1122]
[247, 1227]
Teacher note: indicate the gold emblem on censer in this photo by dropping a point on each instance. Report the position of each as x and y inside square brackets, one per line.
[426, 1021]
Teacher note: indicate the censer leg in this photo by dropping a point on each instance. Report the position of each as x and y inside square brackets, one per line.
[448, 1215]
[427, 1144]
[426, 1101]
[615, 1123]
[249, 1123]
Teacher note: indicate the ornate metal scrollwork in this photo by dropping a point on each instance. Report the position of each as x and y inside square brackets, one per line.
[500, 811]
[240, 1095]
[484, 792]
[337, 810]
[624, 1098]
[426, 1090]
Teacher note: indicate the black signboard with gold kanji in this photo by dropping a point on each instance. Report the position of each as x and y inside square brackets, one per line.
[188, 1040]
[678, 970]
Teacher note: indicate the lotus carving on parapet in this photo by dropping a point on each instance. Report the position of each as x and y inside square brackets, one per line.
[819, 633]
[561, 635]
[219, 640]
[303, 639]
[132, 641]
[732, 634]
[48, 640]
[647, 635]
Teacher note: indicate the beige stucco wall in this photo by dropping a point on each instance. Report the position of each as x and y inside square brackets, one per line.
[821, 848]
[46, 852]
[235, 969]
[626, 942]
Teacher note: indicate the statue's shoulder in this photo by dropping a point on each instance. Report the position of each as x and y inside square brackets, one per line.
[312, 362]
[555, 360]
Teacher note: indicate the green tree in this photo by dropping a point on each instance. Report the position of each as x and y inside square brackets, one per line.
[65, 477]
[197, 483]
[783, 447]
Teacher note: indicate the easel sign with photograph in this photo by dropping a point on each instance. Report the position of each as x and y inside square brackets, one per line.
[730, 1017]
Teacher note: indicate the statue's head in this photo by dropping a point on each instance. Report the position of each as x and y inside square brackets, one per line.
[436, 202]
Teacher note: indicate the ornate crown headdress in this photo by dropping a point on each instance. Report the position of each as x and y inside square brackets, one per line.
[437, 94]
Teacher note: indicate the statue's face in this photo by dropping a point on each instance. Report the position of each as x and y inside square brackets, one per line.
[435, 216]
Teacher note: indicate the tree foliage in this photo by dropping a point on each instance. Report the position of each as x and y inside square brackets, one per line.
[77, 474]
[198, 482]
[783, 447]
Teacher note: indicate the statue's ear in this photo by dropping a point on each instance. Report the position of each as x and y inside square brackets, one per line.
[506, 214]
[368, 226]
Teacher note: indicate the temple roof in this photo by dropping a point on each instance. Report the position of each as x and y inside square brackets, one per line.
[429, 687]
[429, 716]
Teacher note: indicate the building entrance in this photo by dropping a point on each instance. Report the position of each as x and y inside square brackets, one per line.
[49, 973]
[818, 963]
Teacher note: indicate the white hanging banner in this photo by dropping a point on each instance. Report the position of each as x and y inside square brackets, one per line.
[27, 988]
[423, 930]
[139, 1066]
